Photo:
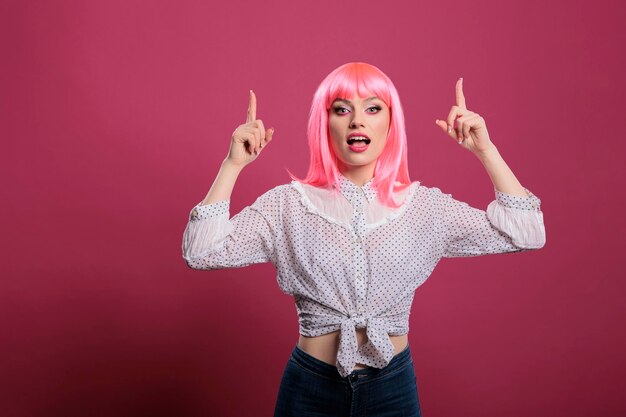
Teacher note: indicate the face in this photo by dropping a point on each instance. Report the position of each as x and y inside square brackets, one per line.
[364, 116]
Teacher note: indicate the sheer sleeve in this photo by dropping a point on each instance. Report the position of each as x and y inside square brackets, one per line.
[510, 224]
[212, 240]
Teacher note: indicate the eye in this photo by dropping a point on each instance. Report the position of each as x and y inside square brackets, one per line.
[338, 110]
[377, 108]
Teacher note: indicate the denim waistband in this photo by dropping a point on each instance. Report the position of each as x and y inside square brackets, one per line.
[307, 361]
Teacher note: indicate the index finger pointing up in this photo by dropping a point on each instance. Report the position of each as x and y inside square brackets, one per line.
[460, 98]
[251, 108]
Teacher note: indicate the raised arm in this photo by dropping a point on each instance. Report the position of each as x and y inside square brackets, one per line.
[211, 239]
[513, 221]
[246, 143]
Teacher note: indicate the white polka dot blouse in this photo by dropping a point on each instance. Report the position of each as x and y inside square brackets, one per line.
[351, 262]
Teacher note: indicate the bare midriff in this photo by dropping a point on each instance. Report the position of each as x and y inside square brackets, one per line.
[325, 347]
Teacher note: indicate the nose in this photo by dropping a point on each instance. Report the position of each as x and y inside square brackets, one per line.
[356, 121]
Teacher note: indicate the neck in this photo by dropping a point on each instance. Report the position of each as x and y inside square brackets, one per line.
[359, 175]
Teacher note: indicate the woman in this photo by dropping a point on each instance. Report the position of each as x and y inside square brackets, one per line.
[353, 240]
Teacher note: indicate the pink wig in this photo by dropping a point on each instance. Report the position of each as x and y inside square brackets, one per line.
[391, 165]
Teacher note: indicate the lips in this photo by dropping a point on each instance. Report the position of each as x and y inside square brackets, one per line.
[358, 147]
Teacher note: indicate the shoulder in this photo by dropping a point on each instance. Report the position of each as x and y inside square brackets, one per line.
[417, 190]
[429, 195]
[431, 190]
[274, 194]
[275, 198]
[271, 204]
[280, 189]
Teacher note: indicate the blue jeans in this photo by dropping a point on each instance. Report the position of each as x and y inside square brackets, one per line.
[311, 387]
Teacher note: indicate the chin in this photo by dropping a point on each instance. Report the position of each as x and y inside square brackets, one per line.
[357, 162]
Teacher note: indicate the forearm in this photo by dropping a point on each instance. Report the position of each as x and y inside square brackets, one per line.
[224, 183]
[501, 175]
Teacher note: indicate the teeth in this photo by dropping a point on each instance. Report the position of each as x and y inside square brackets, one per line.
[358, 138]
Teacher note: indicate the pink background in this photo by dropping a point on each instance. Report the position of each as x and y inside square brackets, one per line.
[115, 116]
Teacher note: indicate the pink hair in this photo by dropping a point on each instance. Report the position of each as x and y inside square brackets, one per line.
[392, 164]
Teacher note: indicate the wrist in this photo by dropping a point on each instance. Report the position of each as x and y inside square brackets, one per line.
[229, 165]
[488, 154]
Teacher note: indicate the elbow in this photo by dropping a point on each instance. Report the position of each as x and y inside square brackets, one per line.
[531, 246]
[192, 263]
[533, 242]
[200, 264]
[198, 258]
[541, 243]
[525, 227]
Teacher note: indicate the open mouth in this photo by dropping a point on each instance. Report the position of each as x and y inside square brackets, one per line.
[358, 140]
[358, 143]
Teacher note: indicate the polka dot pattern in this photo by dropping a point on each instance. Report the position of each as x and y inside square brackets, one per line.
[350, 262]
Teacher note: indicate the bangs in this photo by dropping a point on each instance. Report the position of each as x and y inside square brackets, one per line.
[364, 80]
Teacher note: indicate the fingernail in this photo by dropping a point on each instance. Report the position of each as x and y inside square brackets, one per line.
[449, 129]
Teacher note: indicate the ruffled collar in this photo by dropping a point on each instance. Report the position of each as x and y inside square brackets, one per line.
[322, 202]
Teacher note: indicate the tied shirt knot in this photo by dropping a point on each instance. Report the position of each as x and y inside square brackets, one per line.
[378, 344]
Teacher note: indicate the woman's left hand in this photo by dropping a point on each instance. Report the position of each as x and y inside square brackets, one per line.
[470, 130]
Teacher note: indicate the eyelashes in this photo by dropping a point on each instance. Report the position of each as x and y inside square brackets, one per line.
[338, 109]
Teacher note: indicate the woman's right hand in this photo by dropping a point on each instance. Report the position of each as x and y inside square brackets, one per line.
[249, 138]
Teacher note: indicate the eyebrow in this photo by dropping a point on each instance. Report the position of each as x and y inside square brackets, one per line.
[349, 102]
